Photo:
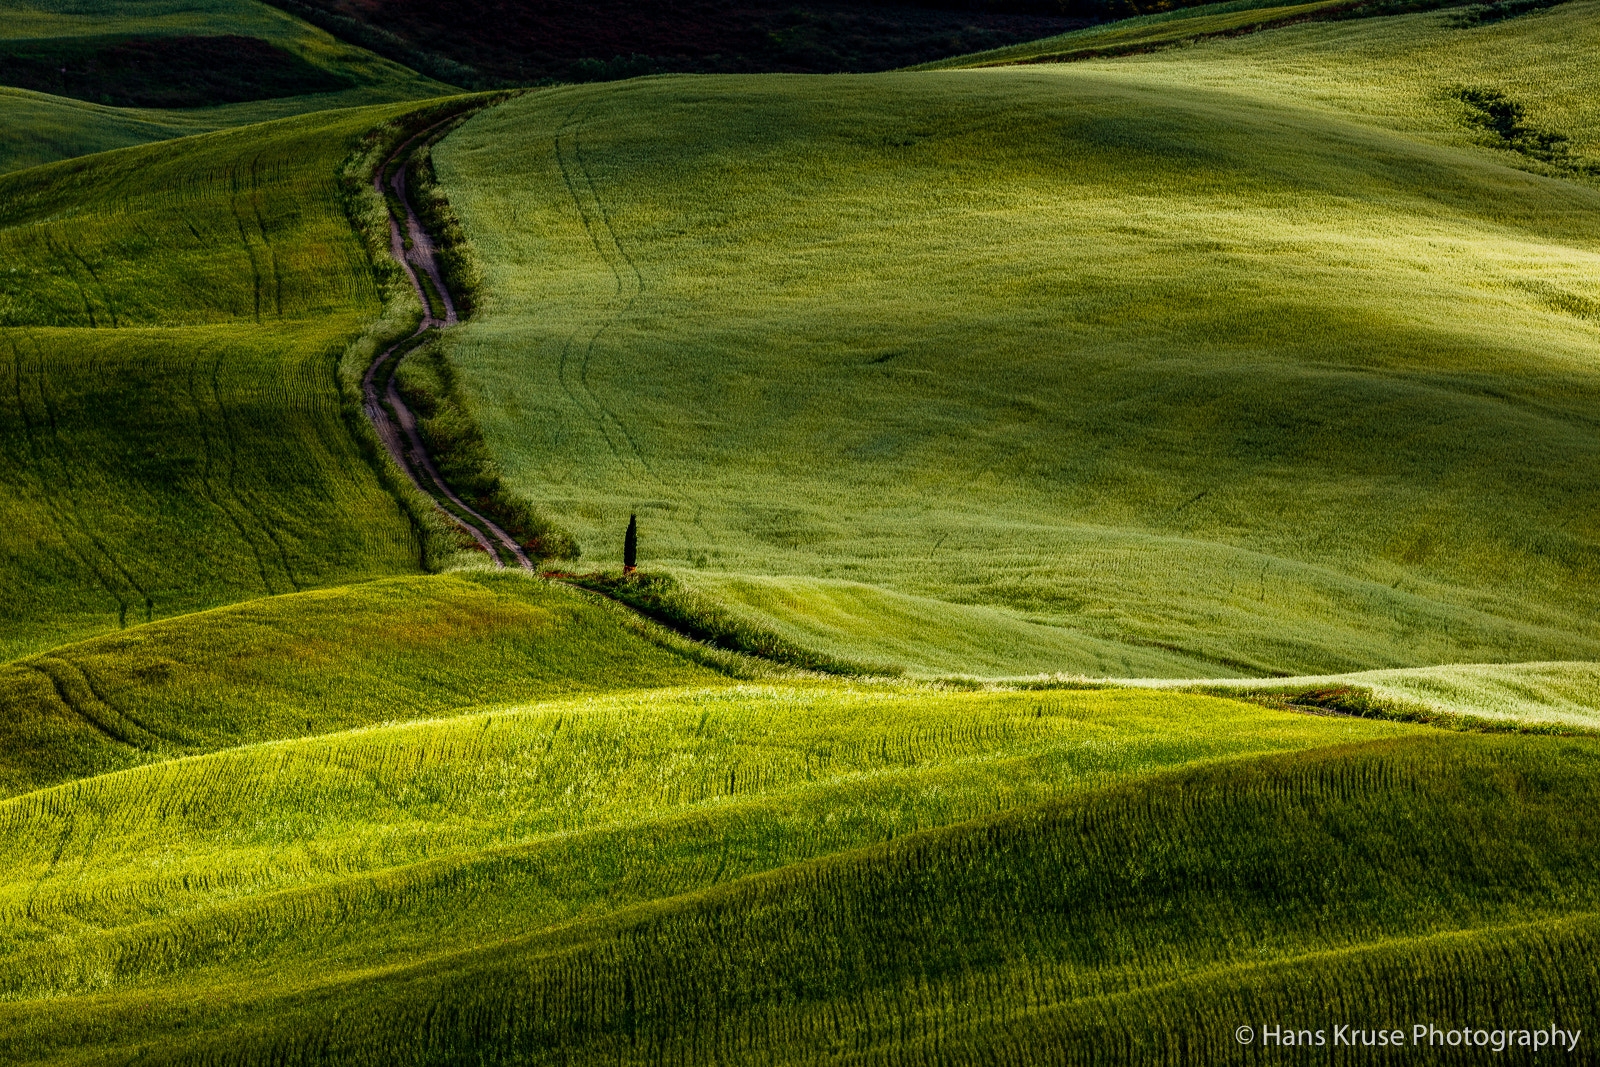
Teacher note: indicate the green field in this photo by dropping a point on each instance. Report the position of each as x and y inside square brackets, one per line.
[312, 663]
[1185, 460]
[879, 874]
[172, 318]
[1249, 352]
[1563, 696]
[37, 127]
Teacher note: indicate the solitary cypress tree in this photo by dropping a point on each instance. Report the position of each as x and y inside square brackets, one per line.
[630, 545]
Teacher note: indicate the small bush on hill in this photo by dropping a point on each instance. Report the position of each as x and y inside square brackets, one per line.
[1502, 118]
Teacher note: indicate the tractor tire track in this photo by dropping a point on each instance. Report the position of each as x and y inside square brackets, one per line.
[72, 496]
[630, 287]
[105, 294]
[579, 348]
[386, 409]
[127, 716]
[64, 527]
[424, 254]
[261, 225]
[207, 490]
[244, 238]
[36, 454]
[100, 723]
[60, 255]
[251, 507]
[585, 404]
[78, 690]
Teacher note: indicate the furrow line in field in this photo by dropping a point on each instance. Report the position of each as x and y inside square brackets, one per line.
[630, 286]
[261, 225]
[50, 507]
[73, 676]
[209, 491]
[78, 520]
[562, 360]
[105, 294]
[256, 511]
[249, 249]
[583, 339]
[88, 305]
[76, 707]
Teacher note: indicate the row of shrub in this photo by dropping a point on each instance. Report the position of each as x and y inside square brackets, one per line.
[660, 598]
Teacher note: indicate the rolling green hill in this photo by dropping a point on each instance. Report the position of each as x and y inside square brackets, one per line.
[175, 436]
[1556, 695]
[1271, 360]
[1268, 352]
[310, 663]
[797, 874]
[1161, 29]
[38, 127]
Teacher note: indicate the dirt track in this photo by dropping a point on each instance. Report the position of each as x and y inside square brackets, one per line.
[394, 422]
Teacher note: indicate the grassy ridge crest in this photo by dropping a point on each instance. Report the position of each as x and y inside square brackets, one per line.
[312, 663]
[1051, 924]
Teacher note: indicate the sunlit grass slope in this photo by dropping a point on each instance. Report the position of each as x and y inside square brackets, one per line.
[1245, 355]
[313, 663]
[38, 128]
[931, 637]
[1396, 72]
[1562, 694]
[796, 874]
[172, 431]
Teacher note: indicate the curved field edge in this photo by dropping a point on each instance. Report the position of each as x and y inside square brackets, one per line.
[777, 387]
[1146, 32]
[1537, 697]
[41, 128]
[927, 637]
[1157, 914]
[318, 662]
[172, 328]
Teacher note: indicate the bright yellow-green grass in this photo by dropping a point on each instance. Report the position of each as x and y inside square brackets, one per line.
[38, 128]
[931, 637]
[796, 873]
[172, 429]
[1248, 352]
[1552, 693]
[313, 663]
[1238, 367]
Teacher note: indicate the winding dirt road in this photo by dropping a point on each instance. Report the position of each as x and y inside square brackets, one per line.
[394, 422]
